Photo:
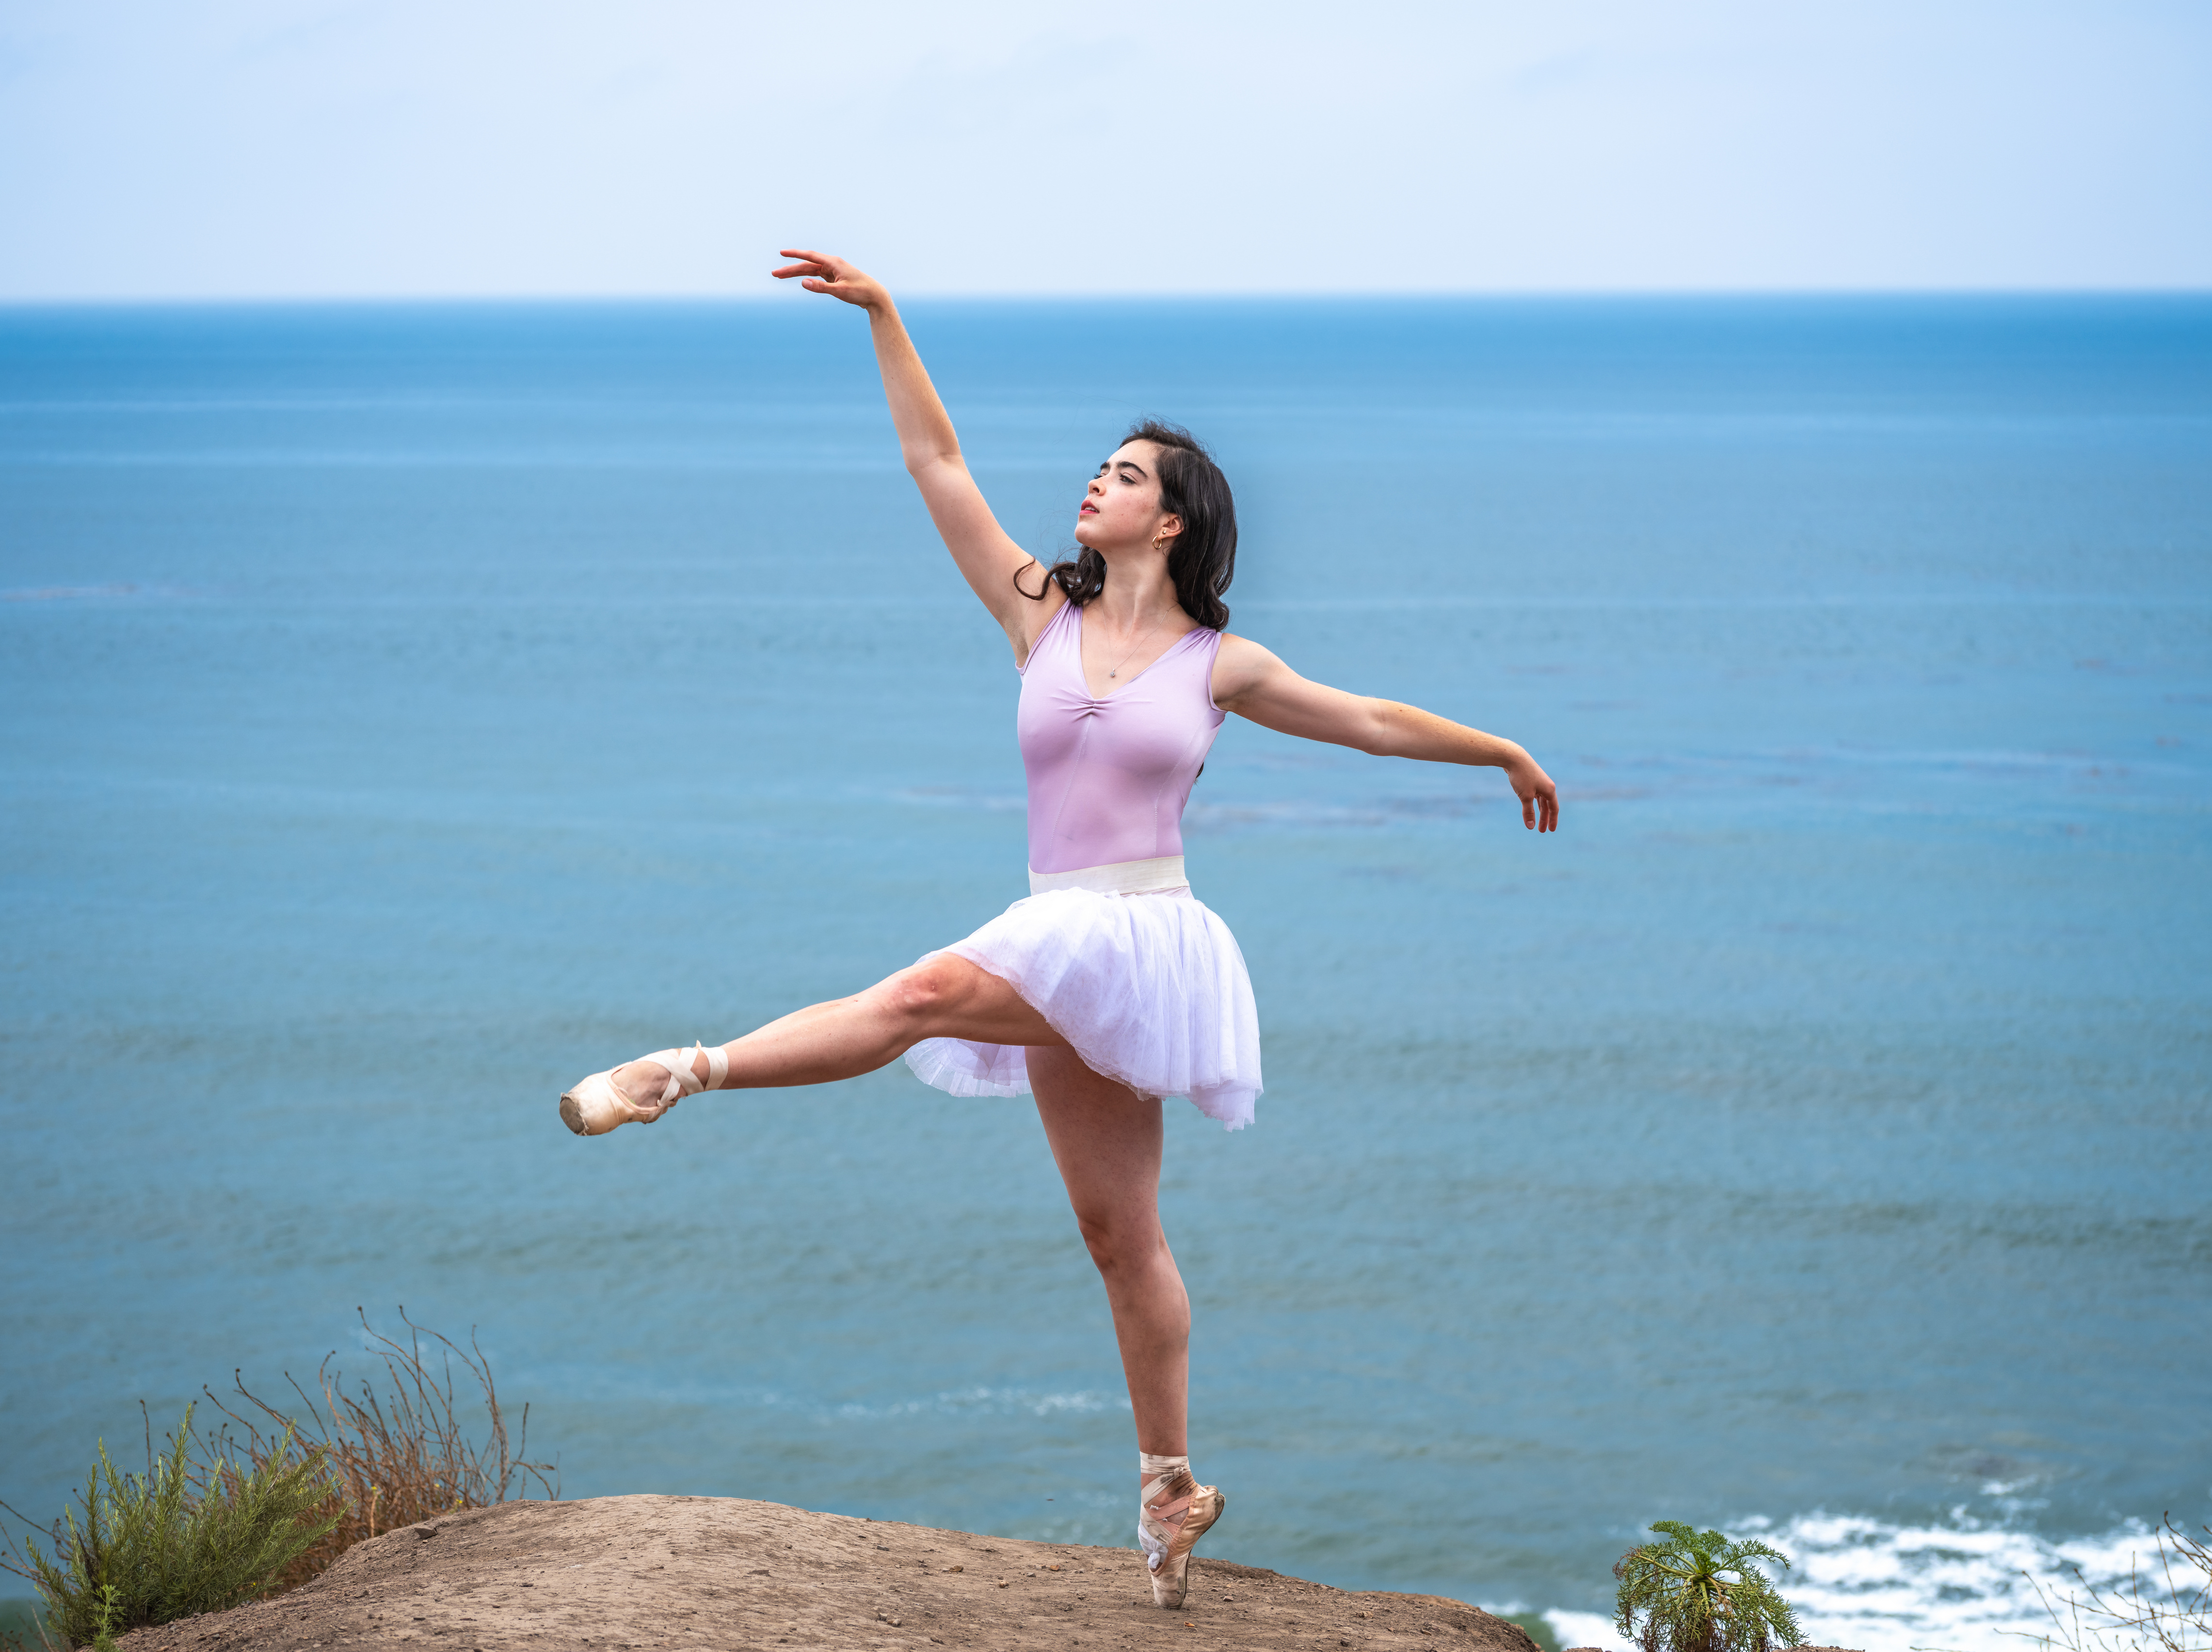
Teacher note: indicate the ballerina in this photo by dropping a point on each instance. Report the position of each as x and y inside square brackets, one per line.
[1111, 985]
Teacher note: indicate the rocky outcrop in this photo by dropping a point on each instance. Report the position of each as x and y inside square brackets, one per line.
[610, 1573]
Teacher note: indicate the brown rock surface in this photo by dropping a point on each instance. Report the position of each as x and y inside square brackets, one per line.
[610, 1573]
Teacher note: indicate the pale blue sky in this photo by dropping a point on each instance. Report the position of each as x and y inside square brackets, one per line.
[324, 147]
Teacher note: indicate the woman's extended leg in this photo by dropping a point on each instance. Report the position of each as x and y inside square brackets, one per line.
[942, 996]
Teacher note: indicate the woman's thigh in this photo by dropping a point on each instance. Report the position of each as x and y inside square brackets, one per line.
[946, 996]
[1106, 1140]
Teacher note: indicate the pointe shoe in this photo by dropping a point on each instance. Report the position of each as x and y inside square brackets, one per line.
[598, 1105]
[1167, 1548]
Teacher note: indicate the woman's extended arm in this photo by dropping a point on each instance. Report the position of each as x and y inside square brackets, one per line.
[1252, 682]
[987, 556]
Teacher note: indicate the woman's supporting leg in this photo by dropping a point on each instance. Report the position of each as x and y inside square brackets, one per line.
[942, 996]
[1106, 1140]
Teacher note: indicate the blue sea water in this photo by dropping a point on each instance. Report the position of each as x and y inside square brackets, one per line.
[410, 709]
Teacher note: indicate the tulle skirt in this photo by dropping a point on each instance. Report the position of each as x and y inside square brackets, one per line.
[1148, 989]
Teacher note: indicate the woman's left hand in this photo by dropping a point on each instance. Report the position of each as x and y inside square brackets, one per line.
[1539, 799]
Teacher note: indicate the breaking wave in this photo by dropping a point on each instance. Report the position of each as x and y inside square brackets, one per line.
[1964, 1586]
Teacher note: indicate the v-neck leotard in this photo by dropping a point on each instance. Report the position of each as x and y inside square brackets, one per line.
[1108, 779]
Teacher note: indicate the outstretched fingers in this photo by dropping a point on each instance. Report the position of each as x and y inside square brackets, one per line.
[821, 272]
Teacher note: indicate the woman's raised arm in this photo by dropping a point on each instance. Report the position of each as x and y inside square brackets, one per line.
[988, 556]
[1254, 683]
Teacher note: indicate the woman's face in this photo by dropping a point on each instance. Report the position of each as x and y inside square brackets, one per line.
[1120, 508]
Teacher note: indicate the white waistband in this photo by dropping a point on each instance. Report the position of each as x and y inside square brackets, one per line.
[1158, 875]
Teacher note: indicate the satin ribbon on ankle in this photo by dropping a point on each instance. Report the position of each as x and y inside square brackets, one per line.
[682, 1081]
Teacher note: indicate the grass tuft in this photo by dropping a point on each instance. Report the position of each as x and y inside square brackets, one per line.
[400, 1457]
[269, 1500]
[198, 1531]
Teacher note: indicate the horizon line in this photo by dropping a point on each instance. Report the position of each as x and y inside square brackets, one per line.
[1341, 294]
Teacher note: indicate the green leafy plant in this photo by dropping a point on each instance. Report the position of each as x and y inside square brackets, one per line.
[197, 1532]
[1702, 1591]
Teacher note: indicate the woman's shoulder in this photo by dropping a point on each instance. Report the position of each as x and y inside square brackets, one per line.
[1237, 652]
[1238, 664]
[1038, 616]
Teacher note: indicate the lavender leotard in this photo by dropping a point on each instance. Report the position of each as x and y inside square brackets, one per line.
[1108, 778]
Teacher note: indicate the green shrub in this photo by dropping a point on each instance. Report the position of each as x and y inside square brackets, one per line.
[1700, 1592]
[190, 1536]
[359, 1463]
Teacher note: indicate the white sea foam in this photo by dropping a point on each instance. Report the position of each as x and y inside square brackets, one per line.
[1962, 1586]
[1007, 1401]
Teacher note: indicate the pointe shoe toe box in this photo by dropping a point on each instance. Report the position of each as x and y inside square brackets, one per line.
[595, 1106]
[1171, 1577]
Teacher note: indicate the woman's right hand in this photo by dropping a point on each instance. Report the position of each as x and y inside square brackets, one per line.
[818, 272]
[987, 558]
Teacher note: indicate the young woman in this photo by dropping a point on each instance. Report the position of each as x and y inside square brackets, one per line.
[1111, 985]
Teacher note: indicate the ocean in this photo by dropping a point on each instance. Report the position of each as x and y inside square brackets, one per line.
[412, 708]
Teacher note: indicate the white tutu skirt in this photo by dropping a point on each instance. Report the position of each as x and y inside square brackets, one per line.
[1148, 989]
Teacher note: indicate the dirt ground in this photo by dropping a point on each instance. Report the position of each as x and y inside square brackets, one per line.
[609, 1573]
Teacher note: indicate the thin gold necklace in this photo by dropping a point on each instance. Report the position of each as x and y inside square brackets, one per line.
[1134, 647]
[1138, 644]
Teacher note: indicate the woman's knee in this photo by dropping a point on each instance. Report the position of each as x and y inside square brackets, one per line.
[924, 992]
[1117, 1242]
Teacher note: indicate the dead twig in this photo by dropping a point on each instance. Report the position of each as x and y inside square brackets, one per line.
[401, 1455]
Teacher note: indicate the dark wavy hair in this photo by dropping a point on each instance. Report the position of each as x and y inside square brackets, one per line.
[1204, 559]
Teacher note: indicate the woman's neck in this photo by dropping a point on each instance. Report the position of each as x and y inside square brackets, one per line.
[1137, 597]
